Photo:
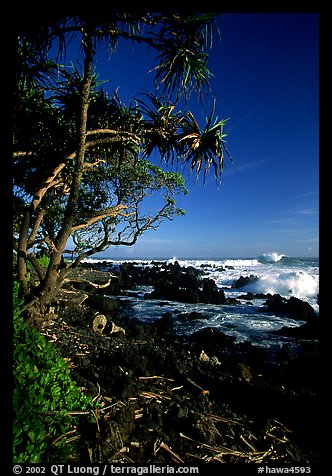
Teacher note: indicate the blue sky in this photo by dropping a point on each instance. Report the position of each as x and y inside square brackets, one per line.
[266, 82]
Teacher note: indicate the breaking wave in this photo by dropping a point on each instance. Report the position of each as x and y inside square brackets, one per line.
[273, 257]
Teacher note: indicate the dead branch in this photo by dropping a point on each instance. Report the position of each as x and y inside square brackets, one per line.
[154, 395]
[71, 432]
[173, 455]
[194, 384]
[56, 412]
[156, 376]
[90, 283]
[220, 419]
[73, 297]
[254, 456]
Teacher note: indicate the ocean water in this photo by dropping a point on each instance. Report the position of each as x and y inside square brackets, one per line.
[276, 273]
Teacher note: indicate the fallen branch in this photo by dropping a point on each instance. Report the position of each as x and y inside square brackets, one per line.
[248, 444]
[71, 432]
[73, 413]
[194, 384]
[156, 376]
[74, 297]
[173, 455]
[220, 419]
[254, 456]
[87, 281]
[176, 388]
[154, 395]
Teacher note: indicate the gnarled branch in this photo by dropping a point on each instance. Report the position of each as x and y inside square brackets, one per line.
[111, 212]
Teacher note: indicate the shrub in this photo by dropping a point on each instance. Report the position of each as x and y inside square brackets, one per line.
[43, 395]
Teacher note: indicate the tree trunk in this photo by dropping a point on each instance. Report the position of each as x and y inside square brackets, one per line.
[22, 252]
[54, 278]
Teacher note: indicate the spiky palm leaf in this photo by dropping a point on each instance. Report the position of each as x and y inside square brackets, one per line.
[203, 148]
[161, 127]
[182, 41]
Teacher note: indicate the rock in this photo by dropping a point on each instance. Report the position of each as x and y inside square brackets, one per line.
[103, 304]
[172, 291]
[211, 294]
[204, 357]
[308, 330]
[262, 295]
[232, 301]
[295, 307]
[300, 309]
[165, 323]
[187, 289]
[139, 330]
[275, 303]
[191, 316]
[245, 372]
[215, 361]
[243, 281]
[212, 339]
[247, 297]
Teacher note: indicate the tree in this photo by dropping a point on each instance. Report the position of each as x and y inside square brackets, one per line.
[82, 164]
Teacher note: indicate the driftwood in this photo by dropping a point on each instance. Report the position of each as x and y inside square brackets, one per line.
[99, 323]
[116, 328]
[89, 282]
[75, 298]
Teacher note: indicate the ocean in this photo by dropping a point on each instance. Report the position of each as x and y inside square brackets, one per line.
[276, 273]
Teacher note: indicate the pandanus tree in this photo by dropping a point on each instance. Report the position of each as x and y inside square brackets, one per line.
[82, 159]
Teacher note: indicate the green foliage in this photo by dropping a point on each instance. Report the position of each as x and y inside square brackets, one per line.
[183, 40]
[42, 383]
[44, 261]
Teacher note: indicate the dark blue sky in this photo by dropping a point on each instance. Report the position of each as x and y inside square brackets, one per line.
[266, 81]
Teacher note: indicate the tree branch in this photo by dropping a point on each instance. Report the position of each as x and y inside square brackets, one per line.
[102, 245]
[22, 153]
[88, 165]
[34, 231]
[111, 212]
[38, 268]
[113, 132]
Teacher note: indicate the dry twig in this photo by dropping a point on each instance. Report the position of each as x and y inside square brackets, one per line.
[173, 455]
[155, 377]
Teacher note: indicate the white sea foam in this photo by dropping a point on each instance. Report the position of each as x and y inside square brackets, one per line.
[240, 262]
[292, 283]
[273, 257]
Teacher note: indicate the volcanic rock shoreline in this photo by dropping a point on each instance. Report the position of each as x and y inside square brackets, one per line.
[195, 399]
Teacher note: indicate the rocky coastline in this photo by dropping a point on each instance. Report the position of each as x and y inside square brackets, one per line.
[195, 399]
